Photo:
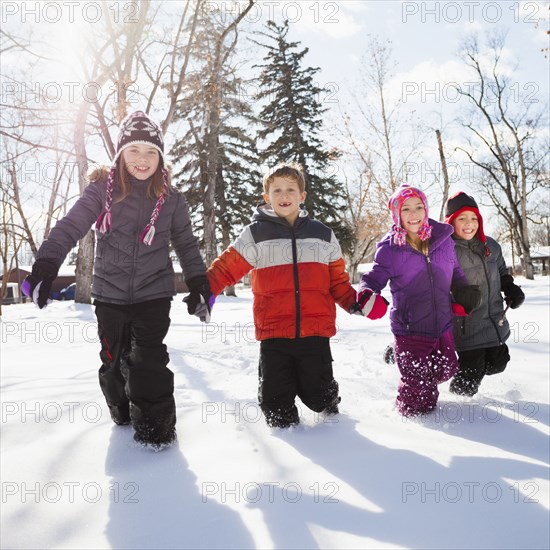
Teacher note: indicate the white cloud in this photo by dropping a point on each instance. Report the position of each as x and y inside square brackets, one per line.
[355, 6]
[428, 82]
[330, 18]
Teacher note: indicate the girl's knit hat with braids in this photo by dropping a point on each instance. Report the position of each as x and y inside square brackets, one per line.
[136, 128]
[395, 203]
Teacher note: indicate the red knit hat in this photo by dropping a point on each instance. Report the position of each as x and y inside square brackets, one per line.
[461, 202]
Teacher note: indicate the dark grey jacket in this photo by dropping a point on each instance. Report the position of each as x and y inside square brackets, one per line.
[126, 271]
[481, 329]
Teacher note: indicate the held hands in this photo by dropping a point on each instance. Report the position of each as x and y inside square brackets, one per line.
[469, 297]
[371, 305]
[458, 310]
[200, 300]
[38, 284]
[513, 295]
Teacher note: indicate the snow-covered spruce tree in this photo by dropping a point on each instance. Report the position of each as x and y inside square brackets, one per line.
[216, 141]
[292, 122]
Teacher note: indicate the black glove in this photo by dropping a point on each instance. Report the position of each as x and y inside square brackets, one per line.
[200, 300]
[469, 297]
[38, 284]
[513, 295]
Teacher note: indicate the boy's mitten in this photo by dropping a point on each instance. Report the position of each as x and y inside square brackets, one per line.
[38, 284]
[200, 299]
[372, 305]
[513, 294]
[469, 297]
[355, 309]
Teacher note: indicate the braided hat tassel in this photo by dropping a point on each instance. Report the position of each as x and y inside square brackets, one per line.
[148, 234]
[104, 221]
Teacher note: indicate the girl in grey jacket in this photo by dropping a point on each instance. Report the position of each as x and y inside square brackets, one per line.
[480, 337]
[137, 215]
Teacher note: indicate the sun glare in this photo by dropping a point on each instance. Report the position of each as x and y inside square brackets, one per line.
[66, 42]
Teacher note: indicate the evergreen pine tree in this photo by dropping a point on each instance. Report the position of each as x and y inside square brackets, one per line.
[217, 96]
[292, 120]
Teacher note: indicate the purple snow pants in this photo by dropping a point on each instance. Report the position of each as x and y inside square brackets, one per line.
[423, 363]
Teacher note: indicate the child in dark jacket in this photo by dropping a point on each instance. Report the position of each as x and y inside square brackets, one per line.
[138, 215]
[480, 337]
[298, 274]
[417, 258]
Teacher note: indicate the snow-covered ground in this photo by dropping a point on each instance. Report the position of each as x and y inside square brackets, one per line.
[473, 474]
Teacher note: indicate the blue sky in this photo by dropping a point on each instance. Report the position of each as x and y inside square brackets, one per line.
[425, 38]
[421, 32]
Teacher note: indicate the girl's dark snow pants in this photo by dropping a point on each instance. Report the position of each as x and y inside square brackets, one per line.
[134, 377]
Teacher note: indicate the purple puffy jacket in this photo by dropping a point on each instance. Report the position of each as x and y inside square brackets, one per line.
[420, 285]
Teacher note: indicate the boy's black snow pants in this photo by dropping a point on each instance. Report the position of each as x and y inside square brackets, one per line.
[475, 364]
[295, 367]
[134, 377]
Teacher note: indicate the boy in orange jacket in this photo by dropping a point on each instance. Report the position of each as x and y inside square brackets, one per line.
[298, 274]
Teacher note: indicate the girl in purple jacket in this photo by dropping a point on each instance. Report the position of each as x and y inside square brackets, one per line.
[418, 259]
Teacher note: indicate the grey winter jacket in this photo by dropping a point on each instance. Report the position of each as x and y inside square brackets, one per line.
[126, 271]
[480, 329]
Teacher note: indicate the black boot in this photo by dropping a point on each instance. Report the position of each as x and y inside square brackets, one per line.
[282, 418]
[332, 408]
[120, 415]
[153, 438]
[157, 430]
[463, 386]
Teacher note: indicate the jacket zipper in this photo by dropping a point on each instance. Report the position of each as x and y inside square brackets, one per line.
[430, 273]
[488, 296]
[296, 281]
[136, 247]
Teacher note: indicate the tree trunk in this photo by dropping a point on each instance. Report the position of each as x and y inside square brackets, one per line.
[513, 256]
[353, 274]
[213, 140]
[19, 206]
[525, 244]
[224, 223]
[85, 259]
[527, 264]
[445, 174]
[211, 250]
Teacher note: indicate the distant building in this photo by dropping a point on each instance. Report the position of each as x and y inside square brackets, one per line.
[67, 276]
[541, 259]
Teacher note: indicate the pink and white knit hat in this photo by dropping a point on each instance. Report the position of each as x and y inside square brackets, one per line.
[136, 128]
[396, 202]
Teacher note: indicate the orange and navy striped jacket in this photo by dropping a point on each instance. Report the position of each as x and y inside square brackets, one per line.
[298, 274]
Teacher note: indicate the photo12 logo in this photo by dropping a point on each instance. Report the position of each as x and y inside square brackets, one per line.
[270, 492]
[53, 492]
[468, 491]
[51, 412]
[453, 92]
[52, 92]
[69, 12]
[461, 12]
[227, 11]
